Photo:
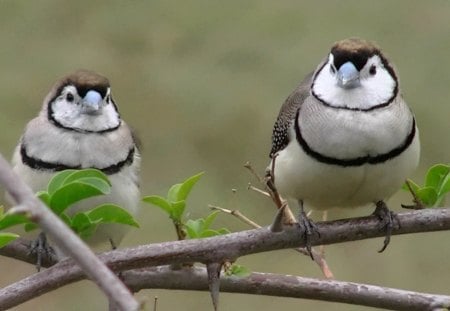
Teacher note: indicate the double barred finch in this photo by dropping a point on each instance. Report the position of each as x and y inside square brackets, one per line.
[79, 127]
[345, 137]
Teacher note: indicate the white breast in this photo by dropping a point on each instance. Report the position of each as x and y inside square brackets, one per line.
[343, 135]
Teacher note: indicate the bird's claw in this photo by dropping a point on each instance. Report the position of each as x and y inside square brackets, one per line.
[388, 221]
[309, 228]
[42, 250]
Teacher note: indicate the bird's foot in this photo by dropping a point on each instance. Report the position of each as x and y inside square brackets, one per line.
[42, 250]
[387, 221]
[309, 228]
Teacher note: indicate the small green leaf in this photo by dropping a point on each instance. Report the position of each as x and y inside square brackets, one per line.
[190, 232]
[57, 181]
[83, 226]
[87, 232]
[186, 186]
[445, 187]
[8, 220]
[76, 191]
[194, 228]
[80, 222]
[111, 213]
[7, 237]
[87, 173]
[177, 210]
[239, 271]
[427, 196]
[223, 231]
[207, 233]
[210, 219]
[435, 175]
[44, 197]
[67, 220]
[172, 194]
[210, 232]
[160, 202]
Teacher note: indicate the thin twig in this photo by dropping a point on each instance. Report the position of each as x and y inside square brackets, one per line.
[237, 214]
[251, 187]
[66, 239]
[249, 166]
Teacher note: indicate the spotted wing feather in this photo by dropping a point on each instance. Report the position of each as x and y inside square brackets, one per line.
[280, 134]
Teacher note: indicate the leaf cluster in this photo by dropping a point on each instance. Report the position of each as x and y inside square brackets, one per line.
[435, 188]
[65, 189]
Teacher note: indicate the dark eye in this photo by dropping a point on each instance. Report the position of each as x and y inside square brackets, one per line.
[373, 70]
[69, 97]
[332, 69]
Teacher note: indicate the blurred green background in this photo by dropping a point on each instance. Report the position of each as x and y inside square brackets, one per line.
[202, 83]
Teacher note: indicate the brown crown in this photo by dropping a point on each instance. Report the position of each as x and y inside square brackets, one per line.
[84, 80]
[355, 50]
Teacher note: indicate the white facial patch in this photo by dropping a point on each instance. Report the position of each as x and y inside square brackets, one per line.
[375, 89]
[69, 112]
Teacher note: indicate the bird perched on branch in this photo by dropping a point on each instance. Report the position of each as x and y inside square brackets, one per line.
[78, 127]
[345, 137]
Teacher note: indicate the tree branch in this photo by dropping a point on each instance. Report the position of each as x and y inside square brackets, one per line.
[65, 238]
[219, 249]
[195, 278]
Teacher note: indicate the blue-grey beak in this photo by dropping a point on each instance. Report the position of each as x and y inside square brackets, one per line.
[348, 76]
[92, 102]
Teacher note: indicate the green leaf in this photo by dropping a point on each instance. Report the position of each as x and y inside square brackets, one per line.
[159, 202]
[179, 192]
[427, 195]
[445, 186]
[8, 220]
[194, 228]
[207, 233]
[57, 181]
[239, 271]
[88, 232]
[186, 187]
[87, 173]
[83, 226]
[7, 237]
[172, 194]
[436, 175]
[177, 210]
[80, 222]
[223, 231]
[111, 213]
[44, 197]
[413, 185]
[67, 220]
[210, 219]
[76, 191]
